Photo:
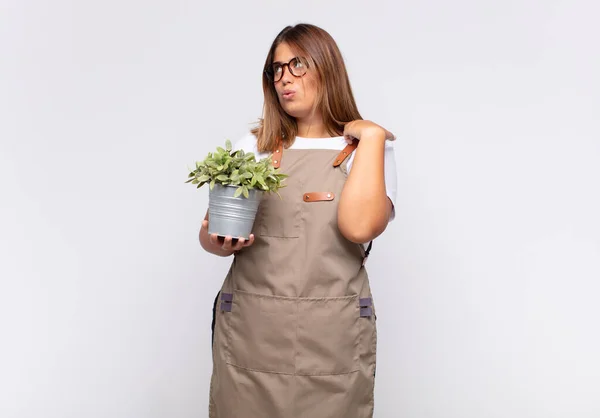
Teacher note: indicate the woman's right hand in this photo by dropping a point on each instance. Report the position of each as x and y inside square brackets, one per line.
[223, 247]
[226, 244]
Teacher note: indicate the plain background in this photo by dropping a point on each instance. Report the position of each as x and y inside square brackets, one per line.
[487, 282]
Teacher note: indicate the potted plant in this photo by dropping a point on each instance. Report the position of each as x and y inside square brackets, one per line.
[237, 182]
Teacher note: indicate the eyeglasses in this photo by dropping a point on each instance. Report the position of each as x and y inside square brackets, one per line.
[297, 67]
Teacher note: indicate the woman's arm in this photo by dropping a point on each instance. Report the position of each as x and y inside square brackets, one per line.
[364, 210]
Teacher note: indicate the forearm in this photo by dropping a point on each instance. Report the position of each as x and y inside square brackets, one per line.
[208, 246]
[364, 208]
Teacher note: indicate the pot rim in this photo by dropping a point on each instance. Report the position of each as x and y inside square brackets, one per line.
[231, 185]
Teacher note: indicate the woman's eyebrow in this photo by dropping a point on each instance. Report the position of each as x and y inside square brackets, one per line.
[283, 62]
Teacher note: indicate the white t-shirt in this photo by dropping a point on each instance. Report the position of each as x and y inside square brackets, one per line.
[248, 144]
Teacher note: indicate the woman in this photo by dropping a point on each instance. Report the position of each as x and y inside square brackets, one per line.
[294, 323]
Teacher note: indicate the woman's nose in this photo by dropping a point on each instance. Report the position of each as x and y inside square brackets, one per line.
[286, 75]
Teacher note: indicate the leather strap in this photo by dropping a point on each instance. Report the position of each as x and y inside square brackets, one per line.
[277, 155]
[318, 196]
[345, 153]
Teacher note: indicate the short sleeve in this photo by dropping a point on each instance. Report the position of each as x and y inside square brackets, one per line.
[247, 143]
[391, 176]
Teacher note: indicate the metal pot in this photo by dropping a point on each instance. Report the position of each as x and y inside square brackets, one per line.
[228, 215]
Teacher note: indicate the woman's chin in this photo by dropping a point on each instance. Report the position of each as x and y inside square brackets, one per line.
[295, 112]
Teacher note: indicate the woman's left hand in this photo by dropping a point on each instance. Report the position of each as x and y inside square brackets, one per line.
[356, 128]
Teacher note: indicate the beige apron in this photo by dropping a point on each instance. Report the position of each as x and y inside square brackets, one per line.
[295, 333]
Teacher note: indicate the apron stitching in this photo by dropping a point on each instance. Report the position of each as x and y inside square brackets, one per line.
[299, 298]
[291, 374]
[296, 342]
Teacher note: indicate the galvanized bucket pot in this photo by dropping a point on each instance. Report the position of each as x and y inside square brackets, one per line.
[233, 216]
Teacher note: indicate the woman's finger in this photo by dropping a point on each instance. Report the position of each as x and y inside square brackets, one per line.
[389, 136]
[239, 244]
[243, 243]
[227, 243]
[214, 239]
[250, 241]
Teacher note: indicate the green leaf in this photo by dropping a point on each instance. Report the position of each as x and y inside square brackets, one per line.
[238, 192]
[236, 168]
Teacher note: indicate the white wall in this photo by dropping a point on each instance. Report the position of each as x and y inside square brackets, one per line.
[486, 284]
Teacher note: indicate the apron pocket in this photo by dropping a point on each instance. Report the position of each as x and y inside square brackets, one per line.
[328, 336]
[261, 332]
[278, 218]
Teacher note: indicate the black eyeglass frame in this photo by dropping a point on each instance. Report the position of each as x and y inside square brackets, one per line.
[270, 73]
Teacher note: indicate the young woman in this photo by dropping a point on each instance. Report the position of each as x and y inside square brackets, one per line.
[294, 332]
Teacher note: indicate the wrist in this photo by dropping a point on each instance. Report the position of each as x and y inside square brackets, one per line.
[372, 138]
[375, 133]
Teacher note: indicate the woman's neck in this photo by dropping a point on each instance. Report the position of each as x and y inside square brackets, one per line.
[312, 129]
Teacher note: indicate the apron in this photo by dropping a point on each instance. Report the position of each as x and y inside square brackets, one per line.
[294, 323]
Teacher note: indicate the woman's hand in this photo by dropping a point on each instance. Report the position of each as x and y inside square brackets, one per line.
[227, 243]
[356, 129]
[221, 246]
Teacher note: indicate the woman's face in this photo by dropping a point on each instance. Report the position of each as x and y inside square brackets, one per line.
[297, 95]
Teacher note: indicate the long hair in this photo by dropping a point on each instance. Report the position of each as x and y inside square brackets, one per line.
[335, 100]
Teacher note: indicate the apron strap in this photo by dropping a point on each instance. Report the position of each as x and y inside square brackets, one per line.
[366, 307]
[349, 149]
[277, 154]
[214, 318]
[367, 251]
[345, 153]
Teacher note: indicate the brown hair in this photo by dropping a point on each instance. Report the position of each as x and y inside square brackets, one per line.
[334, 100]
